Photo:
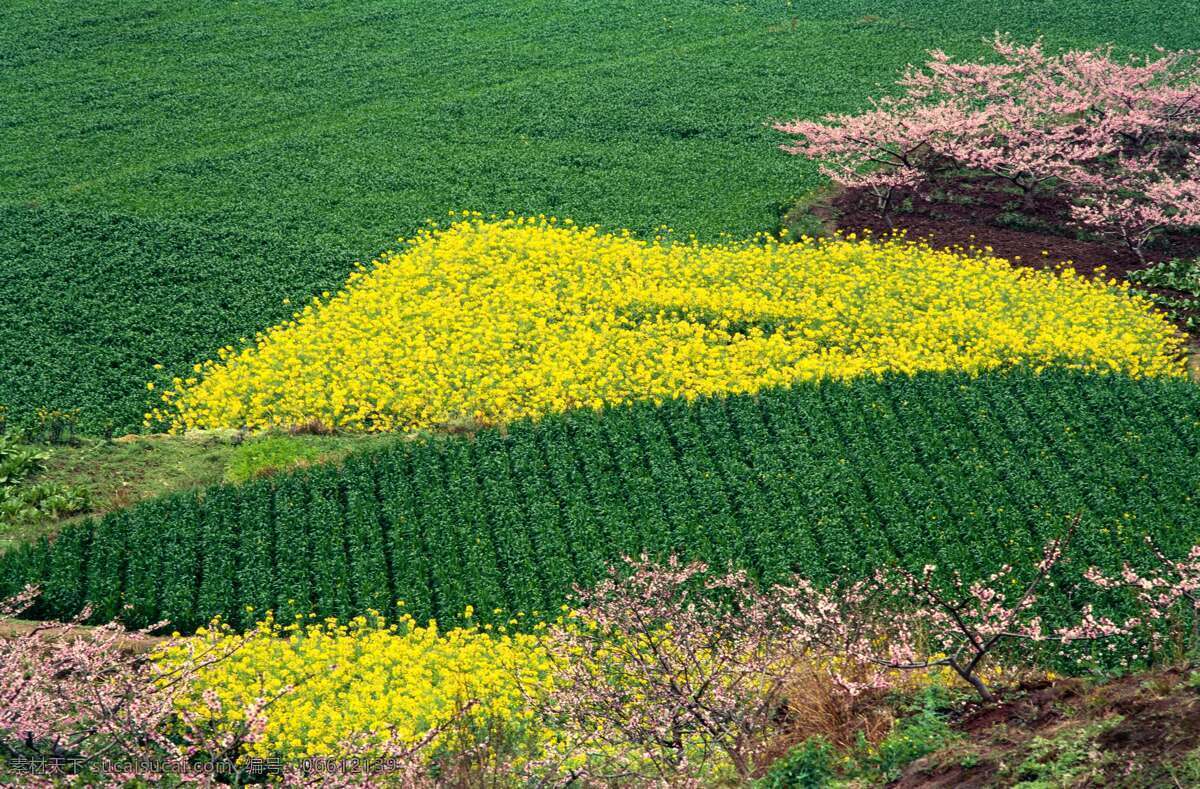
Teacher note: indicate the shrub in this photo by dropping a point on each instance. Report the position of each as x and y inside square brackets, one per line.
[913, 737]
[54, 426]
[810, 765]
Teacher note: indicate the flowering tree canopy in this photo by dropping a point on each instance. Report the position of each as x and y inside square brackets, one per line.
[1117, 138]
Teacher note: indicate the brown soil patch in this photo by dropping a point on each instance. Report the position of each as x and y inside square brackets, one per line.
[1158, 729]
[133, 643]
[981, 213]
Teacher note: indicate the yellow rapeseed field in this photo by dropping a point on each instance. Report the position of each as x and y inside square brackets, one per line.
[361, 687]
[494, 319]
[330, 684]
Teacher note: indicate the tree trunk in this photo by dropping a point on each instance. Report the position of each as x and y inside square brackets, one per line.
[885, 205]
[975, 682]
[1027, 201]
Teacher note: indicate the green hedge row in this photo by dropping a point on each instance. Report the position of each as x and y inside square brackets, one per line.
[819, 479]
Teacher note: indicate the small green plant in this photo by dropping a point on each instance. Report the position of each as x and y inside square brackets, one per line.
[269, 455]
[18, 461]
[1066, 758]
[31, 503]
[806, 223]
[54, 426]
[1177, 274]
[1187, 772]
[23, 501]
[107, 429]
[918, 735]
[1017, 220]
[809, 765]
[801, 216]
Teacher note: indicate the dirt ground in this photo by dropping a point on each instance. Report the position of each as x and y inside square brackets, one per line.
[1138, 731]
[980, 214]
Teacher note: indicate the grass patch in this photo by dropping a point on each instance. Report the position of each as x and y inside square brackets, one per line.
[113, 475]
[272, 454]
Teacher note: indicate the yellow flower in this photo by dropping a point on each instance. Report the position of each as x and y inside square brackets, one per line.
[363, 677]
[490, 321]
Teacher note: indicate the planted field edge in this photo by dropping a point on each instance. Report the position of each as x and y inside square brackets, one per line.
[825, 480]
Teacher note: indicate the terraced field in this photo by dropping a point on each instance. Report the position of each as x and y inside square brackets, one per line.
[583, 335]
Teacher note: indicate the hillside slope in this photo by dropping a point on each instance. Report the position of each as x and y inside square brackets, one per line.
[171, 174]
[827, 480]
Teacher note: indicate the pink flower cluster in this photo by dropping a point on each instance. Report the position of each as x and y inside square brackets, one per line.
[1118, 138]
[900, 620]
[661, 657]
[1162, 591]
[86, 698]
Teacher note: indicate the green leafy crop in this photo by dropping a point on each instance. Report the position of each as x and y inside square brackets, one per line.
[826, 480]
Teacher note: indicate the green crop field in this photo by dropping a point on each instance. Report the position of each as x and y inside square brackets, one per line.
[825, 480]
[169, 174]
[445, 310]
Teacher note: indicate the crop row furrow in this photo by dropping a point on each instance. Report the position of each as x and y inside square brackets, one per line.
[826, 480]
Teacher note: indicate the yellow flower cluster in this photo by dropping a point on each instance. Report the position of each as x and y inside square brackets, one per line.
[364, 682]
[489, 320]
[326, 687]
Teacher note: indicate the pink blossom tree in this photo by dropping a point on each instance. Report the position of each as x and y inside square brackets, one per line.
[89, 700]
[1138, 200]
[1115, 137]
[884, 151]
[903, 621]
[899, 620]
[1167, 587]
[96, 703]
[665, 666]
[1018, 106]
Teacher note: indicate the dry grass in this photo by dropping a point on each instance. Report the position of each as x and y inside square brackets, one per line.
[134, 643]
